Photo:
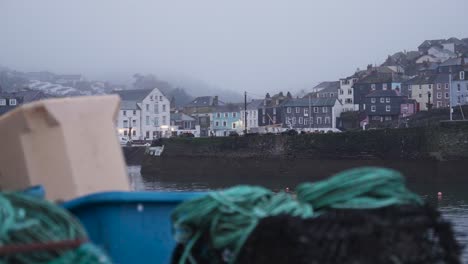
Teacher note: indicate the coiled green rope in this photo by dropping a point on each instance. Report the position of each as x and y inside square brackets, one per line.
[27, 222]
[229, 216]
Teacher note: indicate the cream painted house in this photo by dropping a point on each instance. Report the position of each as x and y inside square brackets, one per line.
[143, 114]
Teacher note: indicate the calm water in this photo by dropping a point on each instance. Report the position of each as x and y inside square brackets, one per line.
[453, 203]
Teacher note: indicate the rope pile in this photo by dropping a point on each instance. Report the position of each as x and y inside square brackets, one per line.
[228, 217]
[34, 230]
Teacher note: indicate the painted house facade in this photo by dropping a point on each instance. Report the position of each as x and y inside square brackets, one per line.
[143, 114]
[421, 90]
[270, 114]
[201, 108]
[226, 119]
[314, 114]
[346, 94]
[9, 101]
[182, 123]
[376, 81]
[383, 106]
[252, 116]
[460, 88]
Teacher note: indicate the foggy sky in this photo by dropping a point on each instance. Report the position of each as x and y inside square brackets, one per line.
[256, 46]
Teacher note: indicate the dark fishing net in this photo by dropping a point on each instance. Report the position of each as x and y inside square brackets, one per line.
[396, 234]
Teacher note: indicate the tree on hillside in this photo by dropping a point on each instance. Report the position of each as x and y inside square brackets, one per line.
[150, 81]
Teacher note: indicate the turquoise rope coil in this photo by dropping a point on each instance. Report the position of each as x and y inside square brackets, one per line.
[26, 221]
[229, 216]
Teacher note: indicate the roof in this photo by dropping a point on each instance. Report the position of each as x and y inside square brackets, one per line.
[204, 101]
[456, 76]
[228, 108]
[133, 95]
[326, 85]
[442, 78]
[131, 98]
[422, 79]
[383, 93]
[430, 43]
[446, 51]
[377, 78]
[313, 102]
[255, 104]
[181, 117]
[69, 76]
[453, 62]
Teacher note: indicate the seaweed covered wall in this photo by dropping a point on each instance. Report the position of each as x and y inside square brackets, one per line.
[269, 154]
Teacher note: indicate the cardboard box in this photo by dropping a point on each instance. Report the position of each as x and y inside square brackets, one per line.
[68, 145]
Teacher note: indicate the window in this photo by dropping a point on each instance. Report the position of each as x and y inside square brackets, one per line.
[134, 112]
[372, 108]
[376, 118]
[446, 86]
[324, 109]
[301, 120]
[234, 114]
[294, 120]
[274, 119]
[384, 86]
[125, 123]
[288, 121]
[439, 86]
[217, 123]
[316, 109]
[2, 101]
[274, 111]
[306, 111]
[288, 110]
[218, 115]
[224, 123]
[446, 95]
[439, 95]
[134, 123]
[458, 87]
[382, 100]
[332, 94]
[134, 132]
[298, 110]
[233, 125]
[387, 100]
[387, 108]
[372, 86]
[420, 95]
[124, 112]
[327, 120]
[151, 98]
[156, 109]
[349, 101]
[147, 120]
[319, 120]
[305, 121]
[125, 132]
[147, 134]
[147, 107]
[160, 98]
[462, 75]
[263, 120]
[12, 101]
[311, 120]
[350, 91]
[156, 122]
[164, 108]
[439, 104]
[164, 120]
[430, 86]
[341, 91]
[388, 118]
[372, 100]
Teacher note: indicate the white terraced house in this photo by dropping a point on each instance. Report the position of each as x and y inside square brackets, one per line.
[143, 114]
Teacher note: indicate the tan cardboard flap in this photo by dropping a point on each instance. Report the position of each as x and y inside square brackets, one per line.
[68, 145]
